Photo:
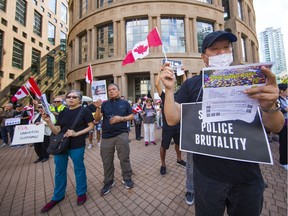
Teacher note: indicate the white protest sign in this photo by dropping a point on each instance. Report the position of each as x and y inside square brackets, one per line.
[99, 90]
[12, 121]
[27, 134]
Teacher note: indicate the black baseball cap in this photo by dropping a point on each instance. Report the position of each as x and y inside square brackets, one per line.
[213, 36]
[18, 105]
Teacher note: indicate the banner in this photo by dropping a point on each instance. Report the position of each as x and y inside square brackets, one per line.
[28, 134]
[12, 121]
[234, 140]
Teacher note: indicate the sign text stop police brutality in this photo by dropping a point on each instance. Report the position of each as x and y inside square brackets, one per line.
[223, 141]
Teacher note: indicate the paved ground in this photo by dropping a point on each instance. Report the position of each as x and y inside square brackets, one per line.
[25, 187]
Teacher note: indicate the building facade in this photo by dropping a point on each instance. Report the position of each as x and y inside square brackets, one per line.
[33, 38]
[101, 32]
[272, 49]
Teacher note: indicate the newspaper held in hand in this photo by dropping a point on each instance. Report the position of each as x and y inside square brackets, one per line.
[176, 66]
[223, 97]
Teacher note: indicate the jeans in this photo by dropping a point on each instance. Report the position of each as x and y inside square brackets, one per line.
[137, 130]
[61, 162]
[159, 120]
[149, 132]
[189, 173]
[4, 132]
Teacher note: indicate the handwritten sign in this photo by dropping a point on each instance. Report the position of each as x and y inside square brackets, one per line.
[27, 134]
[12, 121]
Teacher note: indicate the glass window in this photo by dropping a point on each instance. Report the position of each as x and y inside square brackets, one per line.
[3, 5]
[35, 63]
[62, 68]
[18, 54]
[103, 3]
[203, 28]
[51, 33]
[240, 9]
[105, 41]
[50, 66]
[172, 34]
[83, 48]
[52, 4]
[1, 46]
[83, 7]
[243, 44]
[63, 37]
[225, 5]
[63, 13]
[136, 31]
[20, 14]
[206, 1]
[37, 25]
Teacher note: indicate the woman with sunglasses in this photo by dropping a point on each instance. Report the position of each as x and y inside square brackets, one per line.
[76, 148]
[41, 148]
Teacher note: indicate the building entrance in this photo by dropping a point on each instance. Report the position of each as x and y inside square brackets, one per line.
[139, 86]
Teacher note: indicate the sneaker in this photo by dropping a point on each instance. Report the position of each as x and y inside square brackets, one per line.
[146, 143]
[153, 142]
[89, 146]
[162, 170]
[44, 160]
[189, 197]
[128, 183]
[81, 199]
[285, 166]
[181, 163]
[107, 187]
[3, 144]
[50, 205]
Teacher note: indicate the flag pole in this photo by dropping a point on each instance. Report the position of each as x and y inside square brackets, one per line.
[163, 49]
[28, 92]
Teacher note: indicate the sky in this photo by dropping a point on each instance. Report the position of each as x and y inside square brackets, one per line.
[272, 13]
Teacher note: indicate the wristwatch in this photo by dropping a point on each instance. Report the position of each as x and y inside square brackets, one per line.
[271, 110]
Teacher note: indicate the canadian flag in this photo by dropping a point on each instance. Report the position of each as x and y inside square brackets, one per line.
[137, 109]
[141, 49]
[21, 93]
[32, 86]
[89, 75]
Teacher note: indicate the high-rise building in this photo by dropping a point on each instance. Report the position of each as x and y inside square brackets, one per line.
[33, 38]
[272, 49]
[101, 32]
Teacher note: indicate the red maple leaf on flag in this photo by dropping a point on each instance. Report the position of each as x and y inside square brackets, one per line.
[141, 49]
[19, 93]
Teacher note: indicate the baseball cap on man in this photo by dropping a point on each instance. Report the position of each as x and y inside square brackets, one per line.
[213, 36]
[18, 105]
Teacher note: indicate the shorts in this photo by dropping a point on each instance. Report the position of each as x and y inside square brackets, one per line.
[98, 126]
[167, 135]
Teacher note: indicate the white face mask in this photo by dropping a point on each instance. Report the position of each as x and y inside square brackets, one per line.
[222, 60]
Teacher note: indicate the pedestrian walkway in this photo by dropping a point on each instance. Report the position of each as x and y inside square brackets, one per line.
[25, 187]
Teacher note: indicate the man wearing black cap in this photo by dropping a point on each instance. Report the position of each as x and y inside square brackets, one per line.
[22, 114]
[221, 183]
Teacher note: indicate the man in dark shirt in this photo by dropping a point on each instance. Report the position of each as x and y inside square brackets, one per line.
[22, 114]
[116, 112]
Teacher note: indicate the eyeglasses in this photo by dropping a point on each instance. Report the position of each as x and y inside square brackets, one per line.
[40, 107]
[74, 97]
[57, 101]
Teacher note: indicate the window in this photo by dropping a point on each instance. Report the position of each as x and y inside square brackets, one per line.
[50, 66]
[18, 54]
[37, 25]
[240, 9]
[62, 68]
[35, 63]
[83, 7]
[1, 46]
[3, 5]
[83, 48]
[52, 4]
[225, 5]
[51, 33]
[63, 41]
[136, 31]
[172, 34]
[20, 14]
[102, 3]
[11, 76]
[105, 41]
[203, 28]
[63, 14]
[243, 44]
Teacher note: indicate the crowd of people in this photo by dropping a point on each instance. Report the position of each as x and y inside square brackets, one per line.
[217, 184]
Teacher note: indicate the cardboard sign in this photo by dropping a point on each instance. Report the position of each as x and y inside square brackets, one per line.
[12, 121]
[27, 134]
[234, 140]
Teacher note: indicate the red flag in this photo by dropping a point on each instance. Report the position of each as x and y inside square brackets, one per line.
[89, 75]
[32, 86]
[30, 111]
[141, 49]
[137, 109]
[21, 93]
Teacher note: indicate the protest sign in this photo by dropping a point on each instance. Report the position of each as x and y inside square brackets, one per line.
[176, 66]
[27, 134]
[12, 121]
[235, 140]
[99, 90]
